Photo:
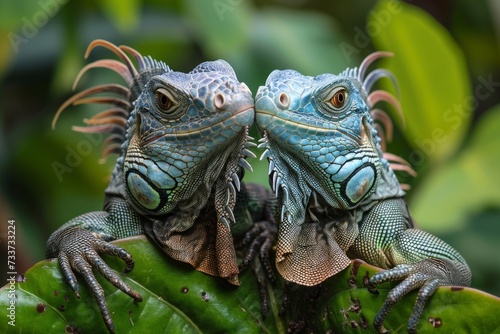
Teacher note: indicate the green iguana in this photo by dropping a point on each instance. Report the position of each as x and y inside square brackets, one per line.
[182, 140]
[338, 195]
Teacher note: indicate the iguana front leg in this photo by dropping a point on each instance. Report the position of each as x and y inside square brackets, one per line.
[387, 239]
[256, 205]
[255, 235]
[78, 243]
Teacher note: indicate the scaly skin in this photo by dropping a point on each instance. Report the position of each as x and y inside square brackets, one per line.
[182, 140]
[338, 194]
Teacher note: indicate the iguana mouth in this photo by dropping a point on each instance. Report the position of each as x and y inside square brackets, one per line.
[245, 116]
[266, 117]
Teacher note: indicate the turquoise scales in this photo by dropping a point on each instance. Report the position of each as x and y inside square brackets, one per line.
[338, 196]
[182, 141]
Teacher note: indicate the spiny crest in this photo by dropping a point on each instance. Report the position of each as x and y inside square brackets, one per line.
[233, 181]
[114, 119]
[378, 115]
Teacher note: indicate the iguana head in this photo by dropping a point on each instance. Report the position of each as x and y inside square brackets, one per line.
[186, 132]
[176, 133]
[323, 124]
[325, 161]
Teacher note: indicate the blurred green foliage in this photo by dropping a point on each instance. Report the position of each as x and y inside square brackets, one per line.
[447, 62]
[432, 77]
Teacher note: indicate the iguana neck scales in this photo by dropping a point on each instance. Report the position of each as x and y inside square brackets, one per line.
[338, 195]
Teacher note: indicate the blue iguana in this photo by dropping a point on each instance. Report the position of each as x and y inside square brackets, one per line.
[338, 196]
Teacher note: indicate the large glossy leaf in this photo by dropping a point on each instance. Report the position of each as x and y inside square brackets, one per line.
[436, 96]
[176, 299]
[343, 304]
[466, 185]
[180, 299]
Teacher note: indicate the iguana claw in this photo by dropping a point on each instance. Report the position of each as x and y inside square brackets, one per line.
[426, 275]
[260, 238]
[78, 251]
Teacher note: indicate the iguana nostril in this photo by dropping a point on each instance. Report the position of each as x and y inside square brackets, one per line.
[219, 101]
[283, 101]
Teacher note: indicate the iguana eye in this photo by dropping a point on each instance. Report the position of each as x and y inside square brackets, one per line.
[164, 99]
[339, 97]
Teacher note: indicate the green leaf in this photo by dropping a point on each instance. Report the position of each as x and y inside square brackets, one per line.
[344, 305]
[465, 186]
[176, 299]
[432, 74]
